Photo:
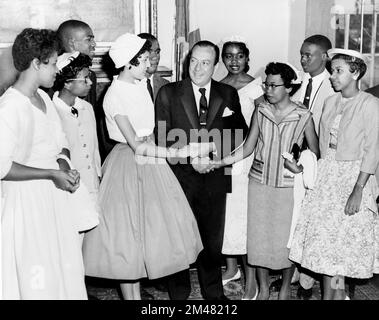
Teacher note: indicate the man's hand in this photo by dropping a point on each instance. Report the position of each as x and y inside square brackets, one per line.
[202, 165]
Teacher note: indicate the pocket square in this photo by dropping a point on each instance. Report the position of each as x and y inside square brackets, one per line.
[227, 112]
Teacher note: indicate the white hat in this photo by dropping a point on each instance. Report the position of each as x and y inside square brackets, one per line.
[125, 48]
[234, 38]
[347, 52]
[66, 58]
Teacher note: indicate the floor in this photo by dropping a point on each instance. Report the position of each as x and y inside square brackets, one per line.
[108, 290]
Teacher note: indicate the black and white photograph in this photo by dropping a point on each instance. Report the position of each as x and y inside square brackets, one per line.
[189, 154]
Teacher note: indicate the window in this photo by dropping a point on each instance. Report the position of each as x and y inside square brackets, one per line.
[356, 27]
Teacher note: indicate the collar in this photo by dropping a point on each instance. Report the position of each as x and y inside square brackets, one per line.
[317, 79]
[64, 107]
[292, 114]
[207, 87]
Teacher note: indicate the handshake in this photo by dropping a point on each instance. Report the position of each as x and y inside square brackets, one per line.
[199, 153]
[202, 163]
[205, 164]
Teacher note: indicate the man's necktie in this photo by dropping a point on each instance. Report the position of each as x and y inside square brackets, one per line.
[308, 93]
[150, 89]
[203, 108]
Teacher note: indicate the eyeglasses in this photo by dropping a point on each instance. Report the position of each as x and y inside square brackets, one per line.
[86, 79]
[271, 85]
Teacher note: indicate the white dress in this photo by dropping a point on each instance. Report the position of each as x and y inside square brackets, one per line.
[40, 244]
[236, 202]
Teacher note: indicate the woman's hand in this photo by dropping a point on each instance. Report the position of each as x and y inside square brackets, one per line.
[292, 166]
[353, 204]
[67, 180]
[195, 150]
[203, 149]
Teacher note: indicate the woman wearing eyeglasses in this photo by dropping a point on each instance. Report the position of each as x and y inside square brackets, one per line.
[275, 126]
[78, 118]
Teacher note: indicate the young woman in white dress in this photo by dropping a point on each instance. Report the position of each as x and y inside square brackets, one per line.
[235, 55]
[41, 256]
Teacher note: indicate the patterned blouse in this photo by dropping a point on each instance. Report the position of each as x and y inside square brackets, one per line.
[275, 138]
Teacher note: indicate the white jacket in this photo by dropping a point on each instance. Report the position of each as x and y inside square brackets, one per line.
[303, 181]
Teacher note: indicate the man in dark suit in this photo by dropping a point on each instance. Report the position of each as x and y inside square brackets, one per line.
[154, 80]
[199, 109]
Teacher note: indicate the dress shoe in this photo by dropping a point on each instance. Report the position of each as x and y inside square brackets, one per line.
[237, 276]
[304, 294]
[160, 286]
[145, 295]
[276, 285]
[253, 298]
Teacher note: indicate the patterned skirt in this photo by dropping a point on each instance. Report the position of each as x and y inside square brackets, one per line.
[327, 241]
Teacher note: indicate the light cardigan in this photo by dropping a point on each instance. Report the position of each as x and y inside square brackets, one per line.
[358, 134]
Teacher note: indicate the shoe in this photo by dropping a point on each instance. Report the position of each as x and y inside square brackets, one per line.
[160, 287]
[276, 285]
[237, 276]
[146, 295]
[347, 297]
[304, 294]
[253, 298]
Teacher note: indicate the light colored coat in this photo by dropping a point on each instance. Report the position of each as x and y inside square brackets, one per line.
[358, 136]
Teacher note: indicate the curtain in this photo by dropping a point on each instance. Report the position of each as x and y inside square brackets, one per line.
[187, 33]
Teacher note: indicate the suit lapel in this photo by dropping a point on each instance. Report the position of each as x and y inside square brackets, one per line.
[156, 85]
[215, 101]
[189, 104]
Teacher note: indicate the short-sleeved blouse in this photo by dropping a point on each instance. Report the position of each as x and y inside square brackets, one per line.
[131, 100]
[274, 139]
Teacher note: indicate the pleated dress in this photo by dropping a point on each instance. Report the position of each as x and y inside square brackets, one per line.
[147, 228]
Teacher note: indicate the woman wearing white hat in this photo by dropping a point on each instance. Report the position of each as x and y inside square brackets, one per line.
[147, 228]
[336, 235]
